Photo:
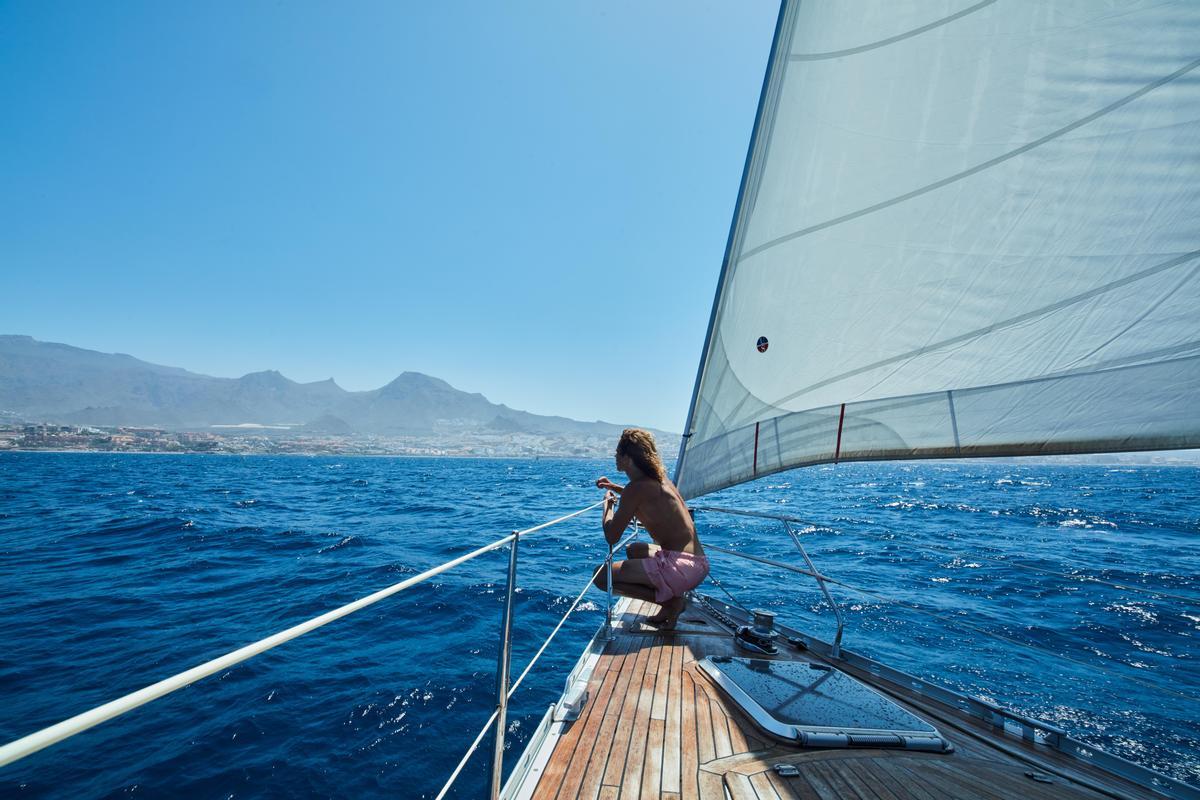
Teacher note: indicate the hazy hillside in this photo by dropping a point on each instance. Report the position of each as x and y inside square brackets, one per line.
[52, 382]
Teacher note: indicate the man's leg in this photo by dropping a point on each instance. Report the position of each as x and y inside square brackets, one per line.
[641, 550]
[671, 609]
[629, 580]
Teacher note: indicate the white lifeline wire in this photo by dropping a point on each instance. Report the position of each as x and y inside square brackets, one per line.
[38, 740]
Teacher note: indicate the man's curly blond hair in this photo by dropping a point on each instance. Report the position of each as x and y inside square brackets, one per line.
[639, 446]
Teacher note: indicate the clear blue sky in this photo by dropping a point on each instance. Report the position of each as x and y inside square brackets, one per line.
[529, 200]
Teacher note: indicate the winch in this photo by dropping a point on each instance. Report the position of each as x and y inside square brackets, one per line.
[758, 637]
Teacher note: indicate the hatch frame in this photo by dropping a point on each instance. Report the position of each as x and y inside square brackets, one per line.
[822, 736]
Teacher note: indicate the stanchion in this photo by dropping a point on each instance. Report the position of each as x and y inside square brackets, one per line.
[505, 657]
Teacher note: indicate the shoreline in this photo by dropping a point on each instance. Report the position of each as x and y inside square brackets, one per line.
[295, 455]
[1011, 460]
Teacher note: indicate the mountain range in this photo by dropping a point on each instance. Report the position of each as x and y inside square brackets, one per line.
[46, 381]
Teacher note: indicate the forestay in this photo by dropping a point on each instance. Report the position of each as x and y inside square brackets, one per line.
[964, 229]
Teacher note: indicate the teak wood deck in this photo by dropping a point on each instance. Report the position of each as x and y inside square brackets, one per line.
[654, 726]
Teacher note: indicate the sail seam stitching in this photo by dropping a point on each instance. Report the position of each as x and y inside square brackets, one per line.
[1020, 318]
[891, 39]
[973, 170]
[903, 401]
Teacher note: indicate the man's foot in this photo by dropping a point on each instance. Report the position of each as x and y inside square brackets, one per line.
[666, 619]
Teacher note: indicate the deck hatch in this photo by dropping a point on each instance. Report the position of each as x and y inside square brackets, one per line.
[817, 706]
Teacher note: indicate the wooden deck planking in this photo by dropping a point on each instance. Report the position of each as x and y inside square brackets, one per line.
[864, 788]
[739, 787]
[655, 727]
[658, 710]
[616, 767]
[635, 757]
[590, 723]
[720, 722]
[883, 791]
[689, 759]
[830, 775]
[819, 787]
[592, 785]
[902, 780]
[671, 778]
[763, 787]
[652, 769]
[704, 735]
[796, 787]
[712, 786]
[653, 759]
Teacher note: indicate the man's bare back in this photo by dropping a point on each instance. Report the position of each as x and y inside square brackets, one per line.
[663, 572]
[662, 512]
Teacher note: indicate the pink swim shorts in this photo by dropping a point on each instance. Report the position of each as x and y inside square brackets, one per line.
[674, 573]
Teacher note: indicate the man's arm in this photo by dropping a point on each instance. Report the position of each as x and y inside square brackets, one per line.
[605, 483]
[618, 516]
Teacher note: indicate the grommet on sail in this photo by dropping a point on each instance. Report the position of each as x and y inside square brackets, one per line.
[973, 233]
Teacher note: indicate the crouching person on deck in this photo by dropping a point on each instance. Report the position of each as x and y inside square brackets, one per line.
[675, 563]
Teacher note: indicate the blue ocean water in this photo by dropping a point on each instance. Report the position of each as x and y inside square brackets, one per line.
[119, 570]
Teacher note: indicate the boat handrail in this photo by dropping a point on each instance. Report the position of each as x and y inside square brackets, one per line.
[948, 619]
[770, 561]
[813, 527]
[955, 621]
[737, 512]
[812, 571]
[38, 740]
[1124, 587]
[607, 565]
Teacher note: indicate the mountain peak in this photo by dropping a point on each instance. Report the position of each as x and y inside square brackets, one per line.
[45, 381]
[269, 378]
[416, 380]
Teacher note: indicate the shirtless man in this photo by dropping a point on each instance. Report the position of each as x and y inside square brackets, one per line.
[675, 563]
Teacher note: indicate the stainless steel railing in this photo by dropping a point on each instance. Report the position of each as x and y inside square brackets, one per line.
[945, 618]
[499, 715]
[32, 743]
[504, 692]
[788, 522]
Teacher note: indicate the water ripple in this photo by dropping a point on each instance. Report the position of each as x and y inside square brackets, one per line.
[116, 571]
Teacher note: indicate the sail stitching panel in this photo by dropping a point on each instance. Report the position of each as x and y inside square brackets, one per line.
[977, 168]
[1067, 397]
[811, 425]
[1008, 323]
[891, 39]
[1141, 317]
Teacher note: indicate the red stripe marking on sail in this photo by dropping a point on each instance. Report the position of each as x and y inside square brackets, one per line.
[756, 448]
[841, 418]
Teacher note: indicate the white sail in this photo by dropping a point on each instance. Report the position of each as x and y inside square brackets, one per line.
[964, 229]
